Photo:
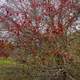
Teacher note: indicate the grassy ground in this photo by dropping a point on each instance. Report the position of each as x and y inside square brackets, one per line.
[10, 70]
[4, 61]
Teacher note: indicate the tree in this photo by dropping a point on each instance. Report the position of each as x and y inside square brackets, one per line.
[40, 26]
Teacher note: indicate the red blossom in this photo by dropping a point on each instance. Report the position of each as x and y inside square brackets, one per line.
[36, 25]
[38, 18]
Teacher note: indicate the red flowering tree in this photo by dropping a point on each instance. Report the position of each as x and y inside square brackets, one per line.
[40, 26]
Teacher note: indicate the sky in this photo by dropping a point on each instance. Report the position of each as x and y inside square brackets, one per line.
[2, 2]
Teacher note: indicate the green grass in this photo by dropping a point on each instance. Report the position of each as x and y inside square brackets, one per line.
[12, 70]
[6, 61]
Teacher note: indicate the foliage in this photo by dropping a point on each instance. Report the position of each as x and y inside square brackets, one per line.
[39, 26]
[5, 48]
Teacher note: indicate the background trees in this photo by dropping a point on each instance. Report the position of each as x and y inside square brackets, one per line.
[40, 26]
[42, 34]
